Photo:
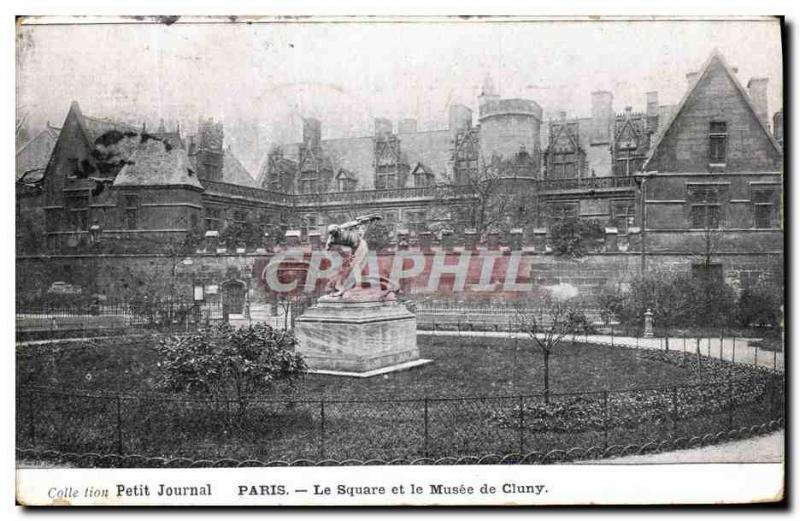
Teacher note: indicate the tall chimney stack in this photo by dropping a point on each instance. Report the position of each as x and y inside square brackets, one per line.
[652, 103]
[460, 119]
[652, 111]
[757, 87]
[312, 132]
[383, 126]
[602, 116]
[407, 126]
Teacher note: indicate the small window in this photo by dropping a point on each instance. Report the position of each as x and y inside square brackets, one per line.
[624, 215]
[213, 219]
[705, 208]
[131, 203]
[718, 141]
[765, 205]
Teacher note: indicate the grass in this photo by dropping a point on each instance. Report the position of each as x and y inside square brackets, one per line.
[420, 411]
[462, 367]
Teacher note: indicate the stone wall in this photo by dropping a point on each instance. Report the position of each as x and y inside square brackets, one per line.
[125, 277]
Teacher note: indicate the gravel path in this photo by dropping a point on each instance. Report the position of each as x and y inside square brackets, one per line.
[745, 350]
[761, 449]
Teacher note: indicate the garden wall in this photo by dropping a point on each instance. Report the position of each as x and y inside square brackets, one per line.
[126, 277]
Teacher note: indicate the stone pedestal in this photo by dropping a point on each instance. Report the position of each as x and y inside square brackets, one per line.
[357, 337]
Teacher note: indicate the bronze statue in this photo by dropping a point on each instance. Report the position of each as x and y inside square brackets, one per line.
[350, 234]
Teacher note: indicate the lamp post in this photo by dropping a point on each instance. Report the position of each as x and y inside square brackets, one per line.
[95, 230]
[186, 261]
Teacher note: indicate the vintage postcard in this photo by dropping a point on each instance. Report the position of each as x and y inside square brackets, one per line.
[399, 261]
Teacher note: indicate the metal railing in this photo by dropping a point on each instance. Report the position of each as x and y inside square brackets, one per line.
[587, 183]
[247, 192]
[388, 194]
[388, 429]
[392, 194]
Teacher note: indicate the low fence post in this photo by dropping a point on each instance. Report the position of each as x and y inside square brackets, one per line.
[775, 360]
[733, 350]
[674, 411]
[425, 428]
[755, 358]
[119, 425]
[521, 425]
[684, 346]
[322, 429]
[730, 403]
[721, 339]
[31, 418]
[771, 397]
[612, 336]
[699, 360]
[605, 420]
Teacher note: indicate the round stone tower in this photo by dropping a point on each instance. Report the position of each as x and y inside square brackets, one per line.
[508, 126]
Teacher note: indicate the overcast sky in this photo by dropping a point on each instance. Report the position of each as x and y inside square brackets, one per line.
[261, 78]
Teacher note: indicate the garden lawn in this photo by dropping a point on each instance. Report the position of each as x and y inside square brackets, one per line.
[466, 402]
[462, 367]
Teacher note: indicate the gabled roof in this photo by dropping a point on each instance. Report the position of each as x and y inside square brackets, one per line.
[37, 158]
[715, 56]
[564, 129]
[421, 169]
[345, 174]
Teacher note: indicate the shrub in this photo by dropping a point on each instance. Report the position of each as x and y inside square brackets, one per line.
[760, 306]
[227, 363]
[246, 234]
[574, 237]
[675, 299]
[709, 302]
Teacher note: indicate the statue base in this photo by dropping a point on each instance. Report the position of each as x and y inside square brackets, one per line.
[354, 337]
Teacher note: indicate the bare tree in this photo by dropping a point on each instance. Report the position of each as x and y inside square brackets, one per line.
[486, 198]
[706, 214]
[546, 327]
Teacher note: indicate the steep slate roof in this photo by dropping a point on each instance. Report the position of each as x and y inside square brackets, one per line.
[29, 157]
[284, 165]
[356, 155]
[234, 172]
[155, 163]
[715, 56]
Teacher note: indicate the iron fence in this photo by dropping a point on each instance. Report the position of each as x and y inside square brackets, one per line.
[591, 423]
[44, 320]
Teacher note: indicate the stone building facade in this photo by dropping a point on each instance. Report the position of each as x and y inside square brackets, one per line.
[646, 176]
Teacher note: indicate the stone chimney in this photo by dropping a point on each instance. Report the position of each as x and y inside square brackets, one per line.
[312, 132]
[602, 116]
[460, 119]
[757, 87]
[652, 104]
[407, 126]
[383, 126]
[690, 77]
[210, 136]
[652, 112]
